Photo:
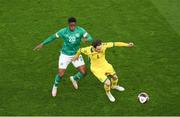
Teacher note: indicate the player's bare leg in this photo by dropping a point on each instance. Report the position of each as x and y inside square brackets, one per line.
[114, 81]
[57, 80]
[107, 87]
[82, 73]
[83, 70]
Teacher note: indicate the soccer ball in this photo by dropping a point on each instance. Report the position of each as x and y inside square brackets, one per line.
[143, 97]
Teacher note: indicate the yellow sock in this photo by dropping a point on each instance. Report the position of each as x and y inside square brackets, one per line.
[114, 82]
[107, 88]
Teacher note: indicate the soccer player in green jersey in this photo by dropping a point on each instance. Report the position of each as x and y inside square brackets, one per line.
[72, 37]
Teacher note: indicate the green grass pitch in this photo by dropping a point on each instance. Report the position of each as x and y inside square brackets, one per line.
[26, 76]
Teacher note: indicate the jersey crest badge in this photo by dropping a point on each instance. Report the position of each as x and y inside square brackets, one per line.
[77, 35]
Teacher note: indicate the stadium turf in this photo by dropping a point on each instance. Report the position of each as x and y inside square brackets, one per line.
[152, 66]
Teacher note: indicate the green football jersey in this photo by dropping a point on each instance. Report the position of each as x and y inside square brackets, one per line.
[72, 39]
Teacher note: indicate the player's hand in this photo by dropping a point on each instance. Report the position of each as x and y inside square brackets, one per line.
[75, 58]
[84, 40]
[38, 47]
[130, 45]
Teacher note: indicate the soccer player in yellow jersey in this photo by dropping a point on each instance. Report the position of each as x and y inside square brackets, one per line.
[100, 67]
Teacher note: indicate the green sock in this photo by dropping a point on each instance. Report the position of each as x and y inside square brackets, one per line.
[57, 80]
[79, 75]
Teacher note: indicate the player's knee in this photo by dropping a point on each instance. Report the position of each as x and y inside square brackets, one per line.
[115, 77]
[61, 73]
[84, 73]
[108, 82]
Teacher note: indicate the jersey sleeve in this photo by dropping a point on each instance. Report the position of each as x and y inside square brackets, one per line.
[60, 33]
[108, 44]
[85, 50]
[49, 39]
[119, 44]
[86, 35]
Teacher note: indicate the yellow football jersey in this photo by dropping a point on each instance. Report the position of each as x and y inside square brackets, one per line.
[98, 59]
[99, 65]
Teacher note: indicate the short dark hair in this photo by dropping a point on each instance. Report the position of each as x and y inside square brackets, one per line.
[71, 19]
[96, 43]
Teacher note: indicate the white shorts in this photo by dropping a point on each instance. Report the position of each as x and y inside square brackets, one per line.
[65, 60]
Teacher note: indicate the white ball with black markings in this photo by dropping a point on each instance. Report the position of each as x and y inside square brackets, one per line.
[143, 97]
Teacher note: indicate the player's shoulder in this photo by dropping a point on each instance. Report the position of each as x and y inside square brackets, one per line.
[80, 28]
[87, 49]
[105, 43]
[63, 29]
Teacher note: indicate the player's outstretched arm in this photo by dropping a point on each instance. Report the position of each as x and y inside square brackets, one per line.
[45, 42]
[77, 55]
[81, 50]
[38, 47]
[121, 44]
